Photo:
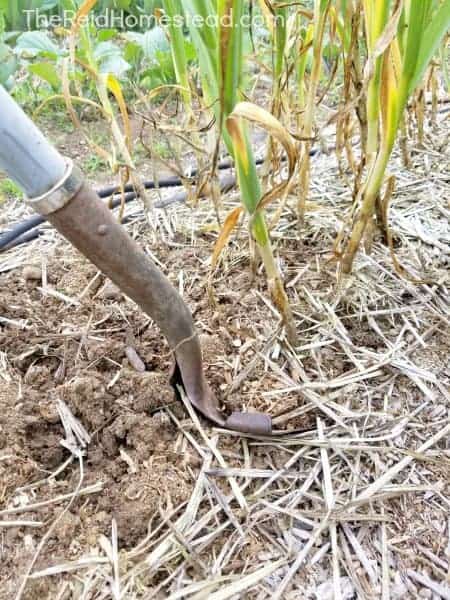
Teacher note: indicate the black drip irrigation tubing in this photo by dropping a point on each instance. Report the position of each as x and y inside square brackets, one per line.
[27, 230]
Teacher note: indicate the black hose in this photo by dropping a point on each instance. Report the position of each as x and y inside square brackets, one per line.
[21, 228]
[26, 231]
[30, 234]
[18, 231]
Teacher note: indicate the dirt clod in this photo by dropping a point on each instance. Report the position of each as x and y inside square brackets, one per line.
[32, 273]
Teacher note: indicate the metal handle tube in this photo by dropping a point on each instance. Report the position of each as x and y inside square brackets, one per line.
[25, 154]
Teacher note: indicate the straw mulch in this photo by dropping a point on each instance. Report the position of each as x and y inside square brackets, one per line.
[356, 506]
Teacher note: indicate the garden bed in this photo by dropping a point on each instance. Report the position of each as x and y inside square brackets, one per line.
[361, 498]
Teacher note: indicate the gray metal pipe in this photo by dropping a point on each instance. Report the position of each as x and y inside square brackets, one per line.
[25, 154]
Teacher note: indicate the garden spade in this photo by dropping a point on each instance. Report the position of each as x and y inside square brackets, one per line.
[55, 188]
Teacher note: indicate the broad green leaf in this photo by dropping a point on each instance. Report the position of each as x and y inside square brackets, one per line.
[151, 41]
[47, 72]
[104, 50]
[122, 4]
[48, 5]
[132, 53]
[35, 43]
[189, 50]
[104, 35]
[8, 64]
[115, 65]
[110, 59]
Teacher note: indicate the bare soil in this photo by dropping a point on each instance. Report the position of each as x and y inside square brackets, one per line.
[75, 350]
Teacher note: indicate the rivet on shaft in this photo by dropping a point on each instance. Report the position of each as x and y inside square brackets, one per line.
[102, 229]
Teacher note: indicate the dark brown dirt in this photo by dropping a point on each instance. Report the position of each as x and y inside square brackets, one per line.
[74, 350]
